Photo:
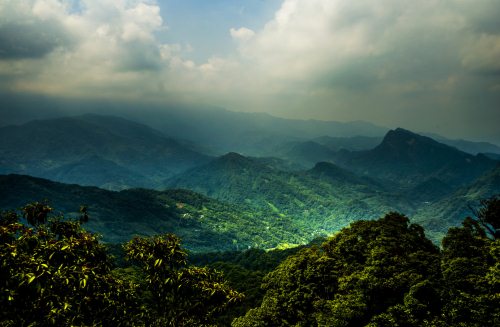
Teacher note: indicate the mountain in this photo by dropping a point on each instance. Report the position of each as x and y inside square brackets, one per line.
[202, 223]
[467, 146]
[307, 154]
[94, 170]
[494, 156]
[323, 199]
[408, 159]
[451, 210]
[335, 174]
[254, 134]
[215, 130]
[430, 190]
[278, 163]
[354, 143]
[94, 150]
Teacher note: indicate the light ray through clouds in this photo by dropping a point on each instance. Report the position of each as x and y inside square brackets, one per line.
[426, 65]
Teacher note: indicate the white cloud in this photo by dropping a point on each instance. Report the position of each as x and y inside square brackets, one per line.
[242, 33]
[110, 44]
[333, 57]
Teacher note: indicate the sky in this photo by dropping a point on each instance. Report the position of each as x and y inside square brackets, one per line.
[427, 65]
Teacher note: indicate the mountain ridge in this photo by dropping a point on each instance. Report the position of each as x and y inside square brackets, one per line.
[204, 224]
[42, 147]
[407, 158]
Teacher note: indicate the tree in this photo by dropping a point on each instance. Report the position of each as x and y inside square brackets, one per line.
[180, 295]
[382, 272]
[470, 268]
[488, 215]
[36, 213]
[54, 273]
[58, 274]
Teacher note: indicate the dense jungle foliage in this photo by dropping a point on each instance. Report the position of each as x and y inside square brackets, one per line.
[56, 273]
[374, 273]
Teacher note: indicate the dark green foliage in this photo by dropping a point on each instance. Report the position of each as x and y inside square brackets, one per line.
[387, 273]
[489, 215]
[204, 224]
[244, 272]
[317, 202]
[251, 259]
[374, 271]
[180, 295]
[440, 215]
[36, 213]
[471, 288]
[57, 274]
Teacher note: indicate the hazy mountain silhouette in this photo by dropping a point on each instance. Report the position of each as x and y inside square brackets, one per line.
[408, 159]
[84, 149]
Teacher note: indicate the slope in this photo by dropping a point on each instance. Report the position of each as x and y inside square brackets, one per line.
[324, 198]
[451, 210]
[255, 134]
[63, 148]
[408, 159]
[202, 223]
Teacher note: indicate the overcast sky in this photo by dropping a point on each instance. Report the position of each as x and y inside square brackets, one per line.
[426, 65]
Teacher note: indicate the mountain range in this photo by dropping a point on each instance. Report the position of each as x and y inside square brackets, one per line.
[217, 131]
[407, 159]
[104, 151]
[292, 189]
[324, 198]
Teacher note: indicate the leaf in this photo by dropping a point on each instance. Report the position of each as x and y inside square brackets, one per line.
[32, 278]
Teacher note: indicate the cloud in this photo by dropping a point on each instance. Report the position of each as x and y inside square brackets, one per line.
[483, 54]
[242, 33]
[30, 40]
[305, 38]
[384, 60]
[95, 48]
[25, 35]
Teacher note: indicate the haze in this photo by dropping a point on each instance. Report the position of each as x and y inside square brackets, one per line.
[430, 66]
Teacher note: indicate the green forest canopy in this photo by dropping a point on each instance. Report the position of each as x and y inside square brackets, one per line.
[374, 273]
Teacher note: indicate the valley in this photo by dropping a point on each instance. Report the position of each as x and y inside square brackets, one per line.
[138, 181]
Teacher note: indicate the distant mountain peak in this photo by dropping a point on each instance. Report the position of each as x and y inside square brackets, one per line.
[235, 160]
[324, 166]
[408, 158]
[401, 133]
[401, 138]
[233, 156]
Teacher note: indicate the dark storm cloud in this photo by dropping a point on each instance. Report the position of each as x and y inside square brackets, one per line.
[30, 40]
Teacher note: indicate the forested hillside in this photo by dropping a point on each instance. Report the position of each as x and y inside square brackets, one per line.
[325, 198]
[204, 224]
[381, 272]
